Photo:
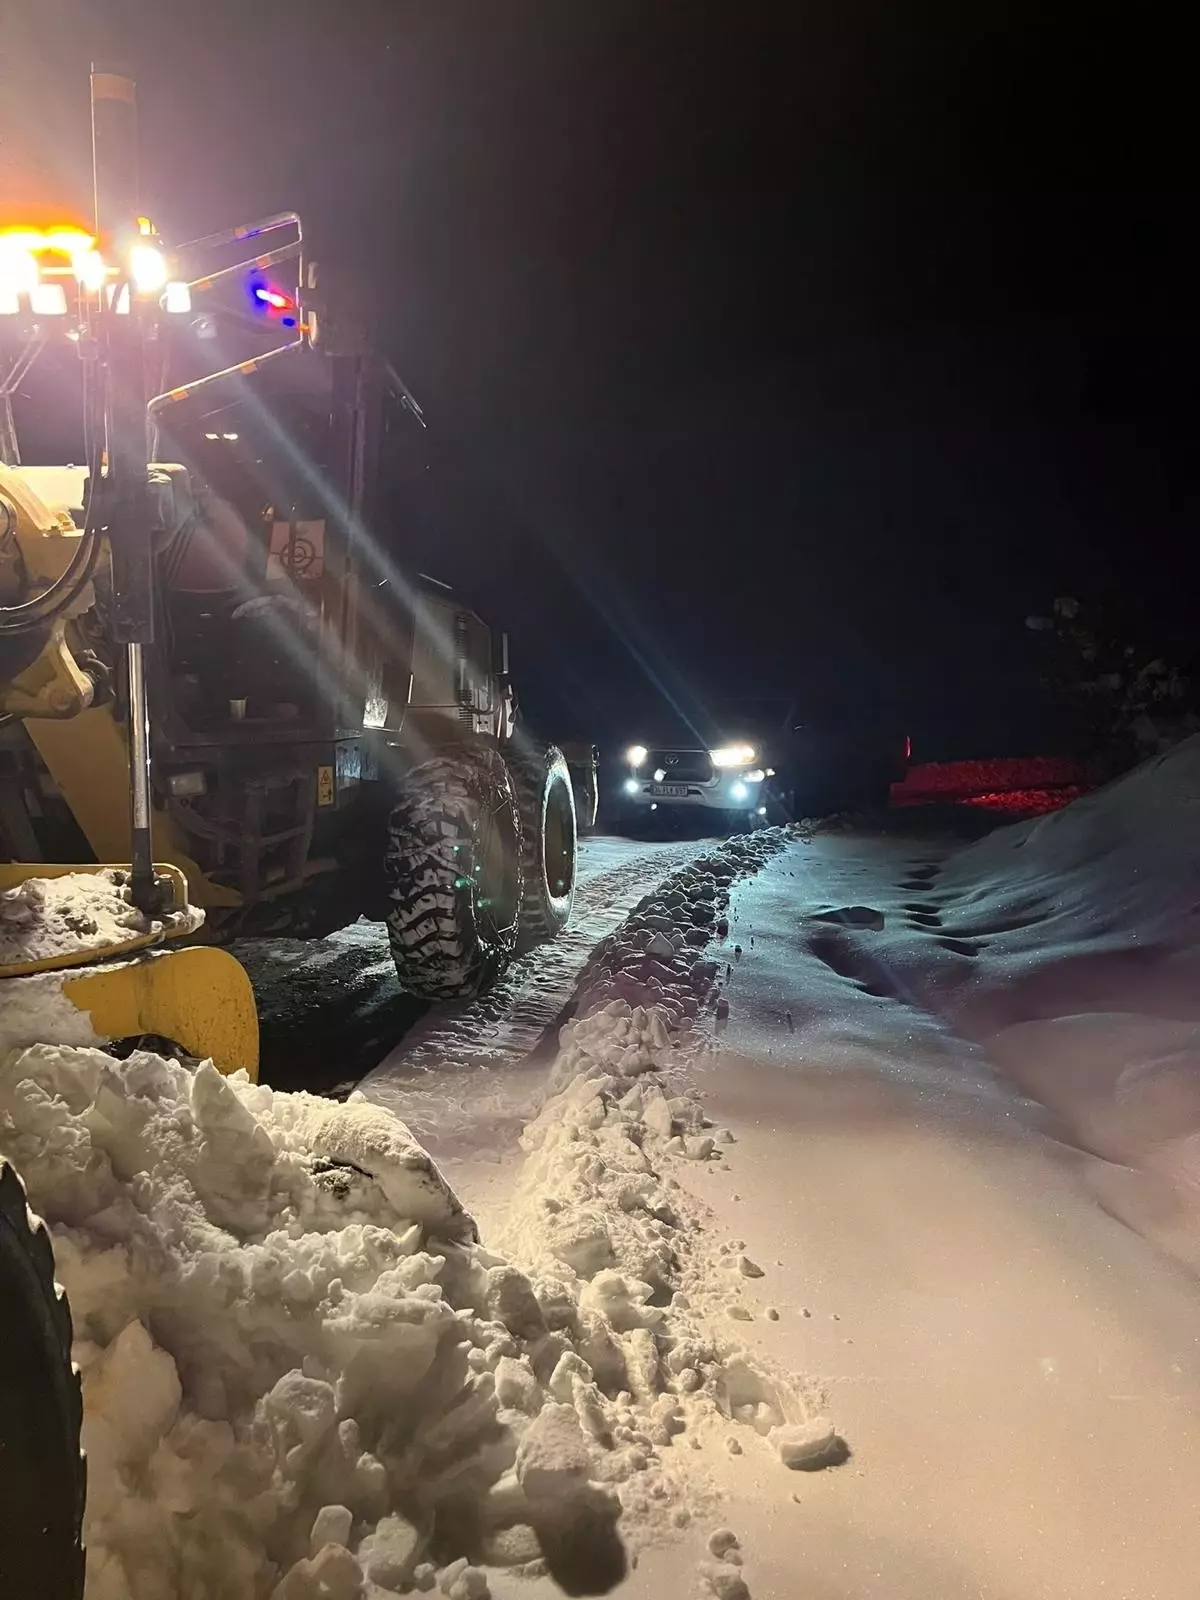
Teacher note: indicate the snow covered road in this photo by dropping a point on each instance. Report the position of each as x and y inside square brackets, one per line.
[442, 1078]
[1006, 1339]
[331, 1009]
[980, 1258]
[844, 1242]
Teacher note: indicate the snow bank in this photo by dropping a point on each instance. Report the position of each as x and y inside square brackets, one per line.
[1125, 859]
[277, 1309]
[657, 956]
[1080, 933]
[303, 1375]
[75, 914]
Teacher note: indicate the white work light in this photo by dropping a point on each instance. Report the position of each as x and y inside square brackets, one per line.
[147, 269]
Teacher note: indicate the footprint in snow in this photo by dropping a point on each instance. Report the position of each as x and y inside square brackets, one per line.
[852, 917]
[924, 919]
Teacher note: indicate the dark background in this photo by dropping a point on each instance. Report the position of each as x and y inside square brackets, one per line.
[763, 347]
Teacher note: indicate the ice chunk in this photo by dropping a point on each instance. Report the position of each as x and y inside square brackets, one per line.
[553, 1464]
[331, 1525]
[389, 1554]
[809, 1446]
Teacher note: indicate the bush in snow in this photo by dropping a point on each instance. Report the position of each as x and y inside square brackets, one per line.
[1120, 703]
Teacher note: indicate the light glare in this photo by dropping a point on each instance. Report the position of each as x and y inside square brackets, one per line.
[90, 271]
[48, 300]
[147, 269]
[18, 268]
[733, 755]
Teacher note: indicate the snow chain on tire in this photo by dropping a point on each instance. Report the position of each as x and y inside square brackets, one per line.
[42, 1475]
[546, 802]
[454, 874]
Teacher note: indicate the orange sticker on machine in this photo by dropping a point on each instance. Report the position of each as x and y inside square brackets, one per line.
[325, 789]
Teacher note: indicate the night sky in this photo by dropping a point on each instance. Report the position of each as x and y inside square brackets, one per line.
[762, 346]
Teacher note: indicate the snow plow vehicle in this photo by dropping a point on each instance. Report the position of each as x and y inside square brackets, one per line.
[220, 646]
[219, 692]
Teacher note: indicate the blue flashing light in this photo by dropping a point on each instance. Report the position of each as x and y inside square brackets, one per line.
[270, 301]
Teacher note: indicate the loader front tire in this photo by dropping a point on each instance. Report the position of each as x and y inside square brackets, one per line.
[41, 1413]
[453, 873]
[546, 801]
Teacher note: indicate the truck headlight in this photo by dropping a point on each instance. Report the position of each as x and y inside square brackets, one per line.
[733, 755]
[636, 754]
[632, 786]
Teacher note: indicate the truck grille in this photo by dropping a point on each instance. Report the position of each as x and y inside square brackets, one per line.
[680, 766]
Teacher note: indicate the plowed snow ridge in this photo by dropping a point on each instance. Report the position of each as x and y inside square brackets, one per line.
[506, 1024]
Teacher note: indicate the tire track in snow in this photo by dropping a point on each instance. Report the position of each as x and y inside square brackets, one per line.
[502, 1027]
[331, 1009]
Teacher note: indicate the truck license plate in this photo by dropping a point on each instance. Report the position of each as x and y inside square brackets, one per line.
[669, 791]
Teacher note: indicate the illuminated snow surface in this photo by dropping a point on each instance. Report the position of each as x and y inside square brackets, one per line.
[966, 1163]
[875, 1277]
[303, 1374]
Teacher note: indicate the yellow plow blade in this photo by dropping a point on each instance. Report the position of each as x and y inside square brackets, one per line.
[14, 873]
[200, 998]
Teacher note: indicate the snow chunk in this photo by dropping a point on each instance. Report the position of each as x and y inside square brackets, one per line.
[389, 1554]
[721, 1541]
[516, 1386]
[553, 1465]
[724, 1581]
[809, 1446]
[331, 1525]
[367, 1137]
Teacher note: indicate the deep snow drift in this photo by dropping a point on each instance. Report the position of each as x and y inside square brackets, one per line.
[303, 1375]
[1082, 935]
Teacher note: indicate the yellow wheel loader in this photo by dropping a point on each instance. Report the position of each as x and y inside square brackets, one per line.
[219, 689]
[206, 633]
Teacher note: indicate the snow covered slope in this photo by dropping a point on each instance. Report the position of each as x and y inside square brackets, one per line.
[1083, 934]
